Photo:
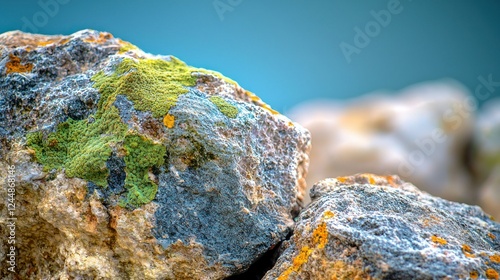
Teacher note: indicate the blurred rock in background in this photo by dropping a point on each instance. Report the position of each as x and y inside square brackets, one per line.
[423, 133]
[486, 160]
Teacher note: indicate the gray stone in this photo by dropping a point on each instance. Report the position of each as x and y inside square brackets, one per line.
[379, 227]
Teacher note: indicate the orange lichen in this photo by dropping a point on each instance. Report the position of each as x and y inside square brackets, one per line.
[491, 273]
[256, 100]
[15, 66]
[103, 37]
[252, 96]
[49, 41]
[431, 220]
[370, 178]
[320, 238]
[169, 121]
[298, 261]
[467, 250]
[269, 109]
[491, 235]
[31, 41]
[342, 179]
[439, 240]
[495, 258]
[474, 275]
[391, 180]
[302, 256]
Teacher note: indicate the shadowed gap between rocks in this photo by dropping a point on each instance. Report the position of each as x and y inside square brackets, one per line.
[262, 265]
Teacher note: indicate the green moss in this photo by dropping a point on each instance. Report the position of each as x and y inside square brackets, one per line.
[225, 107]
[151, 84]
[142, 154]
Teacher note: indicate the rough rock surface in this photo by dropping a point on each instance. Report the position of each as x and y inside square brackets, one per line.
[134, 166]
[486, 159]
[379, 227]
[420, 133]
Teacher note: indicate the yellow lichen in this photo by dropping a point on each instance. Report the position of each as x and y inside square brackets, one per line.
[126, 46]
[328, 214]
[169, 121]
[439, 240]
[467, 250]
[491, 273]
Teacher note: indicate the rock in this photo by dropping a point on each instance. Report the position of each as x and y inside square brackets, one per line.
[379, 227]
[486, 156]
[134, 166]
[420, 133]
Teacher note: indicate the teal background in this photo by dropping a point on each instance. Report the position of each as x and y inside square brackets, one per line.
[288, 51]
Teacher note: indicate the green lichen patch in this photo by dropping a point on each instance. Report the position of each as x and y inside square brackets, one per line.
[80, 147]
[83, 147]
[225, 107]
[126, 46]
[142, 155]
[151, 84]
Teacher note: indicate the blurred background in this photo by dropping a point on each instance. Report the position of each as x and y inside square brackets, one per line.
[386, 86]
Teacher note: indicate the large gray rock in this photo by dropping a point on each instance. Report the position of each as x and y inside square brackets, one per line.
[379, 227]
[134, 166]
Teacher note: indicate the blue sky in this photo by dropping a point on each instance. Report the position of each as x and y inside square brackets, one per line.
[289, 51]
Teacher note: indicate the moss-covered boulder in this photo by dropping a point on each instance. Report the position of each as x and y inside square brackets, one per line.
[130, 165]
